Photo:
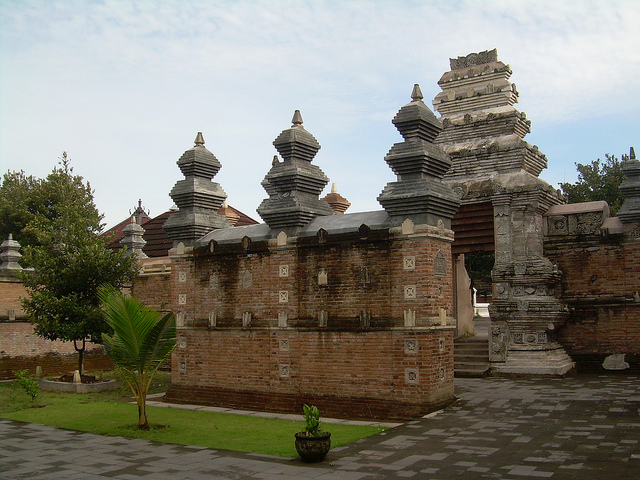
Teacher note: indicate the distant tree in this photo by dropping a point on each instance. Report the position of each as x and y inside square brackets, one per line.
[597, 181]
[70, 261]
[17, 206]
[142, 341]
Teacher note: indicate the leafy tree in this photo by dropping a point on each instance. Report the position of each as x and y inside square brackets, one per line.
[141, 343]
[70, 261]
[17, 206]
[597, 181]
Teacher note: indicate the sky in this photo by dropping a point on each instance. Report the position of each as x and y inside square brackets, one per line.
[124, 86]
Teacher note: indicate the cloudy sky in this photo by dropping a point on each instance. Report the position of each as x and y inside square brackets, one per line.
[124, 86]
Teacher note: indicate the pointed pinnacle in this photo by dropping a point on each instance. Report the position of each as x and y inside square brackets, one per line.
[632, 154]
[416, 94]
[297, 119]
[199, 141]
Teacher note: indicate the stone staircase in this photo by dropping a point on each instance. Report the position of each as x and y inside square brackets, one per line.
[471, 354]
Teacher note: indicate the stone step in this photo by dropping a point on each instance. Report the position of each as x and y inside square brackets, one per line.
[471, 357]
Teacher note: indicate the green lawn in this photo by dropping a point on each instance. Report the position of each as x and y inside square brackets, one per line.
[107, 414]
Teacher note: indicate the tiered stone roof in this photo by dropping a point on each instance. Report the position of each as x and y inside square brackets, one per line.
[294, 185]
[483, 132]
[197, 197]
[419, 165]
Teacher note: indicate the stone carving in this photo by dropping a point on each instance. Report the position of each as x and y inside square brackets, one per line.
[411, 346]
[180, 319]
[182, 277]
[441, 344]
[439, 264]
[410, 291]
[182, 299]
[283, 271]
[409, 318]
[283, 344]
[409, 263]
[411, 376]
[246, 319]
[182, 366]
[214, 281]
[322, 277]
[323, 318]
[213, 319]
[285, 370]
[282, 319]
[283, 296]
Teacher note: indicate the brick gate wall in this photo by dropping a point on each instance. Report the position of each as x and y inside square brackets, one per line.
[600, 284]
[365, 362]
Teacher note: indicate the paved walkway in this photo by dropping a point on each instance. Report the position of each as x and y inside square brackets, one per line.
[585, 427]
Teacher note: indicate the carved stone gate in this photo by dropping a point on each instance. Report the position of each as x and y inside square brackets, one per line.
[495, 168]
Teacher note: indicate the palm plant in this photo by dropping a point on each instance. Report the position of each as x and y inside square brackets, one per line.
[141, 343]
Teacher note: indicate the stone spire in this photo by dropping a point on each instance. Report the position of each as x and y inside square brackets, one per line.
[10, 255]
[338, 203]
[419, 165]
[483, 132]
[197, 197]
[630, 188]
[132, 238]
[294, 185]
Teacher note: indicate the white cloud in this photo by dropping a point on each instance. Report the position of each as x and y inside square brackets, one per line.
[124, 86]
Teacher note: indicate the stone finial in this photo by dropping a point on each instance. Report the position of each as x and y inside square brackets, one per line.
[197, 197]
[419, 165]
[132, 238]
[338, 203]
[297, 118]
[10, 255]
[294, 184]
[630, 188]
[416, 94]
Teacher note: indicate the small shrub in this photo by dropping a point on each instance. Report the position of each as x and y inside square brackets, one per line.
[312, 421]
[28, 383]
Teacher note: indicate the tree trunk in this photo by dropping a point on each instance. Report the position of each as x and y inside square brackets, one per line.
[143, 422]
[80, 354]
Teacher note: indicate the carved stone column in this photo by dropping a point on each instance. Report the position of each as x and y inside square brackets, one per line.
[484, 136]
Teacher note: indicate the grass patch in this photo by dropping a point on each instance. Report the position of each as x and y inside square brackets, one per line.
[106, 414]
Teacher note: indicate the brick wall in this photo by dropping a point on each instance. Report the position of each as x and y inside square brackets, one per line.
[11, 290]
[600, 284]
[20, 349]
[362, 362]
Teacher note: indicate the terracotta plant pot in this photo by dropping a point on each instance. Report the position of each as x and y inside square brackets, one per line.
[313, 449]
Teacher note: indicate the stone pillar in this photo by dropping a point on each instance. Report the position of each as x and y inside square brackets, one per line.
[132, 238]
[294, 185]
[10, 255]
[197, 197]
[419, 193]
[484, 136]
[630, 187]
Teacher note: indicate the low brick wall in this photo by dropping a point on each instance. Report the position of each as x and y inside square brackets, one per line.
[20, 349]
[601, 285]
[387, 374]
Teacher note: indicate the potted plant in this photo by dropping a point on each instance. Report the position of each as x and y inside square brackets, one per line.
[312, 444]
